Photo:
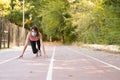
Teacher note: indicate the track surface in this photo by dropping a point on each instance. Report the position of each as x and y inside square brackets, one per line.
[63, 63]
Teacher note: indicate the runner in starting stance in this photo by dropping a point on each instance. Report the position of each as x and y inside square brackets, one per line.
[35, 37]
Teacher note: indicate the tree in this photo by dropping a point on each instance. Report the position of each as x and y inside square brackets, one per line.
[54, 16]
[97, 21]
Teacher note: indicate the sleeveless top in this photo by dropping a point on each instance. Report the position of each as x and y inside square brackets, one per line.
[34, 38]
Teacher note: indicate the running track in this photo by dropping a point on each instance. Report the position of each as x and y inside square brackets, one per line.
[63, 63]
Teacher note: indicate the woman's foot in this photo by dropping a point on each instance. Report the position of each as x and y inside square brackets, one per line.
[37, 54]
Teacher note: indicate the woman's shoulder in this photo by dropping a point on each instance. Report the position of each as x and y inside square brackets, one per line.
[28, 33]
[40, 33]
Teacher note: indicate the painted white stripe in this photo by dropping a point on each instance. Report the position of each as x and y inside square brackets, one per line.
[50, 70]
[110, 65]
[8, 60]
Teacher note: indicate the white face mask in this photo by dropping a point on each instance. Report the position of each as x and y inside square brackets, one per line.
[33, 34]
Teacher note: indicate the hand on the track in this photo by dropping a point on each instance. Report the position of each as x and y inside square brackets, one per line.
[45, 56]
[20, 56]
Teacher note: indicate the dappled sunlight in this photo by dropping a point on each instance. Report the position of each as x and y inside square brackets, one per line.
[35, 61]
[32, 60]
[37, 71]
[64, 68]
[64, 64]
[94, 70]
[36, 64]
[85, 67]
[5, 1]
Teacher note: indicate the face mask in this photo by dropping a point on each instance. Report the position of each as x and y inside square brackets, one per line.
[33, 34]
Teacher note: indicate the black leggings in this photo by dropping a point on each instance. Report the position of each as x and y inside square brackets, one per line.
[33, 45]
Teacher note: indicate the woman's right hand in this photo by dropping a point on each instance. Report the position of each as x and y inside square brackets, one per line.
[45, 56]
[21, 56]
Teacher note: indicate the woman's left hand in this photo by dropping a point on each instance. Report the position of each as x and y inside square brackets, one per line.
[45, 56]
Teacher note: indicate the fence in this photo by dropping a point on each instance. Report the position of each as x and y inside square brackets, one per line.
[11, 34]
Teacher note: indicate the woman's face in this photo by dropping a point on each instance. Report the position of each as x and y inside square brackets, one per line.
[33, 33]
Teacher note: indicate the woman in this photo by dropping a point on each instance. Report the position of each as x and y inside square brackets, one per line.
[35, 38]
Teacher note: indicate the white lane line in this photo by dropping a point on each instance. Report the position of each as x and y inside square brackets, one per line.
[50, 70]
[110, 65]
[5, 61]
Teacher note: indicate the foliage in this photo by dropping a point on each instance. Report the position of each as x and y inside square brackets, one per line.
[54, 20]
[88, 21]
[97, 21]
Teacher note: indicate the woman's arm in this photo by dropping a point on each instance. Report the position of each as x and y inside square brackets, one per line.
[26, 44]
[42, 46]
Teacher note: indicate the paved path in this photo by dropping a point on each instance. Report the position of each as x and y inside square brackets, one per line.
[64, 63]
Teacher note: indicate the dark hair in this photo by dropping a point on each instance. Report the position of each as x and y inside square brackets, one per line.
[36, 29]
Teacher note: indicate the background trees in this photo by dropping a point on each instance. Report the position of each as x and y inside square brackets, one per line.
[97, 21]
[87, 21]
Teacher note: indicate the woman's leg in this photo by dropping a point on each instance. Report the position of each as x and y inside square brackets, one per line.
[33, 45]
[38, 44]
